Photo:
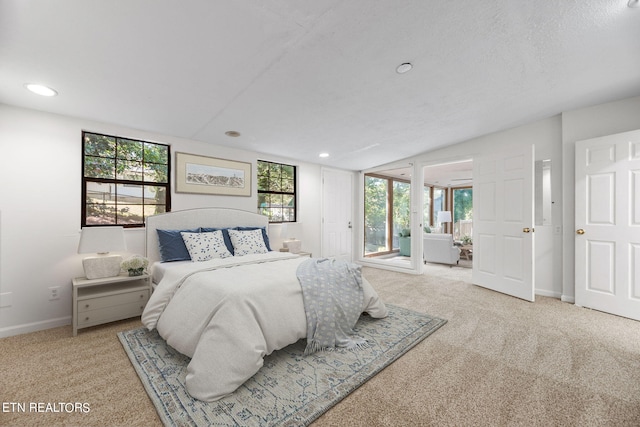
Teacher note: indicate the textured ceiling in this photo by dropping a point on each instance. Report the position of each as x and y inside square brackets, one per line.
[298, 78]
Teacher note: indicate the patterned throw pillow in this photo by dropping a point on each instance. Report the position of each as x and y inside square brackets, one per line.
[247, 242]
[264, 235]
[205, 246]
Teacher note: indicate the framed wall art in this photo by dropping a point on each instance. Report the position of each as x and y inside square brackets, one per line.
[210, 175]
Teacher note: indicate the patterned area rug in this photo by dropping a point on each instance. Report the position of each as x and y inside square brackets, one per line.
[290, 389]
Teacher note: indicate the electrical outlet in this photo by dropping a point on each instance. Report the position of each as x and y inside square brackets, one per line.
[54, 293]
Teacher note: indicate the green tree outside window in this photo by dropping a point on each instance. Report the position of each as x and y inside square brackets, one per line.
[277, 191]
[124, 180]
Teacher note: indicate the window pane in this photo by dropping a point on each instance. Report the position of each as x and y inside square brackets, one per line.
[288, 201]
[288, 214]
[275, 214]
[100, 193]
[100, 203]
[462, 213]
[154, 210]
[129, 149]
[274, 171]
[129, 170]
[262, 200]
[101, 213]
[375, 208]
[401, 210]
[274, 183]
[276, 200]
[99, 167]
[263, 183]
[426, 225]
[129, 194]
[263, 169]
[438, 200]
[156, 153]
[129, 214]
[99, 145]
[155, 195]
[287, 185]
[154, 172]
[274, 175]
[439, 204]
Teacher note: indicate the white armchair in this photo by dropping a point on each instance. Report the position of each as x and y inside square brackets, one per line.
[439, 248]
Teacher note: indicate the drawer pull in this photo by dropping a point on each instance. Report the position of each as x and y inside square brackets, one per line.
[86, 306]
[142, 296]
[86, 319]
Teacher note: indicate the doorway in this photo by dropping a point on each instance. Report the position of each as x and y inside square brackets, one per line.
[448, 206]
[387, 217]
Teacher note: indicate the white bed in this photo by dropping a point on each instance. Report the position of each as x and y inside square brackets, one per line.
[227, 314]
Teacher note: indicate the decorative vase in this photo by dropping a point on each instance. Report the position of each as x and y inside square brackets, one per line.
[136, 271]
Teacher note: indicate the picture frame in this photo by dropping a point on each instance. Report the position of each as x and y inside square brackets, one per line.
[198, 174]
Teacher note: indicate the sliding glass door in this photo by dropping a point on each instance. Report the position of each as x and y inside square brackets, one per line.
[375, 215]
[387, 213]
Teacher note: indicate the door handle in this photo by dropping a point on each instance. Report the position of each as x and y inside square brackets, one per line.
[350, 226]
[580, 231]
[526, 230]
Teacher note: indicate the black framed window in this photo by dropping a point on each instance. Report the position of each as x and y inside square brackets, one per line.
[277, 191]
[123, 180]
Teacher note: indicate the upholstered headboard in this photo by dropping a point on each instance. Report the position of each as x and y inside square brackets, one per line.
[192, 218]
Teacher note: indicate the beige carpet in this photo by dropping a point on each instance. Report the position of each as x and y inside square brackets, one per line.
[499, 361]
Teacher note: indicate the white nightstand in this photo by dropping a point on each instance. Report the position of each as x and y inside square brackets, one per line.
[98, 301]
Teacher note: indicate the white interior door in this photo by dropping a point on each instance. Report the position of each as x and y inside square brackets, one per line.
[503, 208]
[337, 214]
[607, 264]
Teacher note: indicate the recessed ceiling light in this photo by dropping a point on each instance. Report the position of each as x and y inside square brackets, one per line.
[40, 89]
[403, 68]
[323, 155]
[232, 133]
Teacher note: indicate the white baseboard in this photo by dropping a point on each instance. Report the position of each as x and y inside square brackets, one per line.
[34, 327]
[568, 299]
[546, 293]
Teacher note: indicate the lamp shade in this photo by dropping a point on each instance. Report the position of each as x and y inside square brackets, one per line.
[444, 216]
[102, 240]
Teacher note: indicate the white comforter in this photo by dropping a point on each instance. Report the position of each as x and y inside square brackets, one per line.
[227, 314]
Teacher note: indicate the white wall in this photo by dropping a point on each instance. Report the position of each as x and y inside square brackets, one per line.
[554, 139]
[40, 201]
[546, 135]
[586, 123]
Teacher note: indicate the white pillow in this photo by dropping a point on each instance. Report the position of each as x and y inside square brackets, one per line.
[247, 242]
[205, 246]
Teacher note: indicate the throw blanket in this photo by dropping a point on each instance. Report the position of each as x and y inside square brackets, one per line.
[332, 294]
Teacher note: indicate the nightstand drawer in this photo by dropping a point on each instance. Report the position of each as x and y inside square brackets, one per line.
[108, 314]
[140, 296]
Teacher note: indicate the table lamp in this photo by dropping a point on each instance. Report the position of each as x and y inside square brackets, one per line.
[101, 241]
[444, 217]
[290, 244]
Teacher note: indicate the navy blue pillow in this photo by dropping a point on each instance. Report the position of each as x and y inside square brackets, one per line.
[171, 245]
[264, 234]
[225, 235]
